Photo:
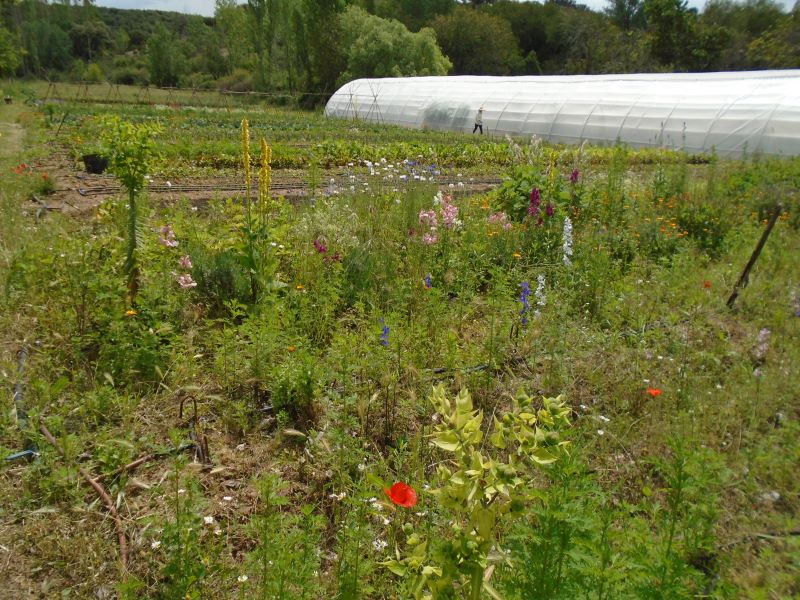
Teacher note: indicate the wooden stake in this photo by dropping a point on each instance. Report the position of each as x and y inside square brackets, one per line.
[745, 276]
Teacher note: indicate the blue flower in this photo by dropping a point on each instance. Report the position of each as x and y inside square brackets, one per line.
[523, 297]
[428, 281]
[384, 334]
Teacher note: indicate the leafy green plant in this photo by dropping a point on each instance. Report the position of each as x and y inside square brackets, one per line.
[131, 152]
[481, 492]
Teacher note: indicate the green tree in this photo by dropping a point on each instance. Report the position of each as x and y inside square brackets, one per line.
[46, 47]
[90, 38]
[626, 14]
[778, 48]
[671, 28]
[231, 27]
[165, 58]
[262, 18]
[478, 43]
[385, 48]
[10, 51]
[321, 37]
[414, 14]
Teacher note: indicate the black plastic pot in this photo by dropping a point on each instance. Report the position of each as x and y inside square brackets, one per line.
[95, 163]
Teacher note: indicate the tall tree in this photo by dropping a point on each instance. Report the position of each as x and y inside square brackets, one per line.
[378, 47]
[626, 14]
[478, 43]
[670, 26]
[165, 58]
[322, 34]
[231, 26]
[9, 52]
[262, 14]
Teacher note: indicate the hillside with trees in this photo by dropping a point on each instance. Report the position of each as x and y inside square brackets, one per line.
[305, 48]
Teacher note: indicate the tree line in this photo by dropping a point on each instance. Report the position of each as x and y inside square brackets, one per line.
[307, 48]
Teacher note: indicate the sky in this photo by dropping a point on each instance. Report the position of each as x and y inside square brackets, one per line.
[206, 7]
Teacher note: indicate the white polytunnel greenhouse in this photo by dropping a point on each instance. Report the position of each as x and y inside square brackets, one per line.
[731, 113]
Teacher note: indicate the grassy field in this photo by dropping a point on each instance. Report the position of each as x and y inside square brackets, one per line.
[288, 370]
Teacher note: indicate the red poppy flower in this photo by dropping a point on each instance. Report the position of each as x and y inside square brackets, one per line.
[402, 494]
[654, 392]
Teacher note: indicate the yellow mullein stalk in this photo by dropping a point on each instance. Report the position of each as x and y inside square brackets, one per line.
[264, 175]
[246, 155]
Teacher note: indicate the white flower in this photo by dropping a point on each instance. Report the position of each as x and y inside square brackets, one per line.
[209, 520]
[181, 491]
[379, 545]
[566, 236]
[600, 432]
[539, 293]
[155, 545]
[241, 578]
[227, 498]
[604, 419]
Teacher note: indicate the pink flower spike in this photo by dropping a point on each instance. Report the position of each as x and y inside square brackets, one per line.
[185, 262]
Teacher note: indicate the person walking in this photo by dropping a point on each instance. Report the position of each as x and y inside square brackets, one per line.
[478, 121]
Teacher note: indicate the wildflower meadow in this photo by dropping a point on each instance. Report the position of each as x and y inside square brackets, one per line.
[270, 355]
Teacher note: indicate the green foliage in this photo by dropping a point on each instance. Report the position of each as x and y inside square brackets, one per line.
[165, 58]
[705, 224]
[480, 490]
[477, 43]
[131, 153]
[286, 558]
[10, 57]
[385, 48]
[187, 542]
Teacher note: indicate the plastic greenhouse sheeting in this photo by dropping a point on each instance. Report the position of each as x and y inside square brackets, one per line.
[730, 113]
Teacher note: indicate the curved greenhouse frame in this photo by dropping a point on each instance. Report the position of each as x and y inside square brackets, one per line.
[729, 113]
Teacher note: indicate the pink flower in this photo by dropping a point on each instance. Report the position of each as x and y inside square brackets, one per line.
[168, 237]
[573, 178]
[430, 238]
[185, 262]
[320, 246]
[449, 214]
[535, 201]
[428, 217]
[186, 281]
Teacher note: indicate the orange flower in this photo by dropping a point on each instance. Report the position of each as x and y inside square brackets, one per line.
[292, 348]
[131, 313]
[654, 392]
[517, 255]
[707, 285]
[300, 286]
[402, 494]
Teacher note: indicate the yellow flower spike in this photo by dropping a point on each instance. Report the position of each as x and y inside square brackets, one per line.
[265, 173]
[246, 155]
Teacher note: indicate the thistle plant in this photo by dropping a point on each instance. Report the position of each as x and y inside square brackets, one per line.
[481, 490]
[131, 153]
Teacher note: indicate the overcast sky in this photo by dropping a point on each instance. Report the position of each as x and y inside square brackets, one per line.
[206, 7]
